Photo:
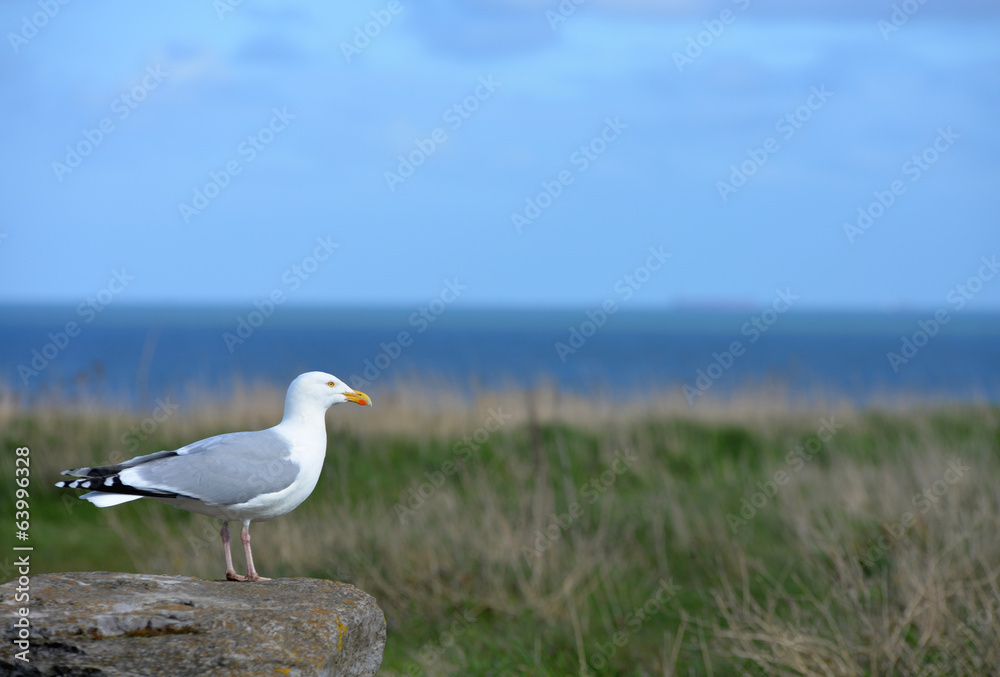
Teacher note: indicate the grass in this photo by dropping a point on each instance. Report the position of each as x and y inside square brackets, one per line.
[534, 533]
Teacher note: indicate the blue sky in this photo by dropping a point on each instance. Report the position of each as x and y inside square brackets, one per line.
[312, 129]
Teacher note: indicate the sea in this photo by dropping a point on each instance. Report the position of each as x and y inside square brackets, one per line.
[135, 354]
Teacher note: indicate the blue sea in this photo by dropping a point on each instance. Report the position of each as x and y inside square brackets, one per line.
[135, 354]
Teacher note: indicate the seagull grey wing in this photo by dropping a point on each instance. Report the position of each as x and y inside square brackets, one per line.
[222, 470]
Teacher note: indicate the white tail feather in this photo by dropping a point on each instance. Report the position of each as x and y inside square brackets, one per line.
[104, 500]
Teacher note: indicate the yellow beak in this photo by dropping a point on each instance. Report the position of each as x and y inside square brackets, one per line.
[358, 397]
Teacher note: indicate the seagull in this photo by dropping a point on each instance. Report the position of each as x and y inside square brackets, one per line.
[247, 476]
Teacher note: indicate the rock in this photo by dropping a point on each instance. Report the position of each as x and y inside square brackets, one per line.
[103, 624]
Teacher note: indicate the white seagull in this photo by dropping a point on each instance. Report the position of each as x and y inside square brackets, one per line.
[248, 476]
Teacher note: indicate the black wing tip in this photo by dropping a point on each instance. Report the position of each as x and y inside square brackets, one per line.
[96, 472]
[79, 484]
[113, 485]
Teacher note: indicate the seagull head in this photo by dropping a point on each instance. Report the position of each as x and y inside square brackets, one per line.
[319, 388]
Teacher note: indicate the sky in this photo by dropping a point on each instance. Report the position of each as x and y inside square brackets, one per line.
[534, 153]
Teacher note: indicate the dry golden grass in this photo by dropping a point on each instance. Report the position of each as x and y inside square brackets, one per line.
[917, 600]
[803, 588]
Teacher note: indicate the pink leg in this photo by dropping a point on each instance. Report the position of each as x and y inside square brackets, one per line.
[231, 574]
[252, 574]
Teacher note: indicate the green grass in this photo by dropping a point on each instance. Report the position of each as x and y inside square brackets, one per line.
[803, 586]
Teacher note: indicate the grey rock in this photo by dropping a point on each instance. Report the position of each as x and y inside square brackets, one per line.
[102, 624]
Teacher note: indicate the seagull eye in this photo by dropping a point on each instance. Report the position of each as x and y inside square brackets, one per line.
[331, 383]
